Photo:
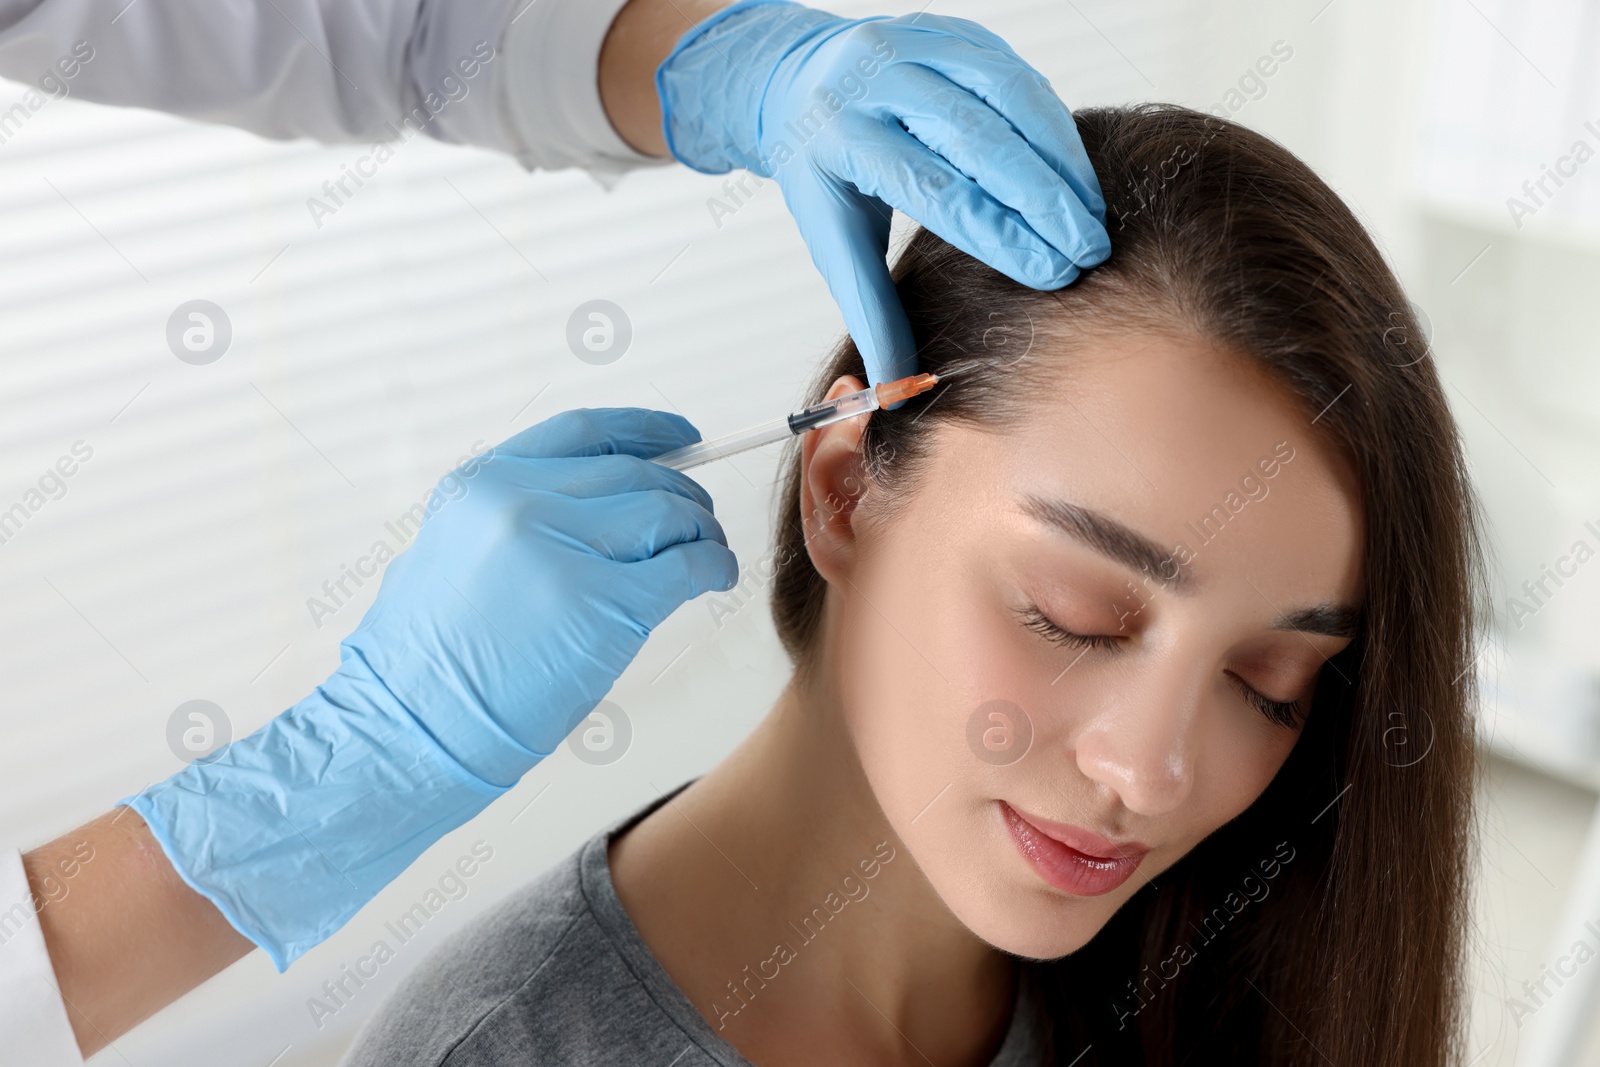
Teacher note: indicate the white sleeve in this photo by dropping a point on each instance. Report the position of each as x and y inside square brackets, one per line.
[520, 76]
[32, 1018]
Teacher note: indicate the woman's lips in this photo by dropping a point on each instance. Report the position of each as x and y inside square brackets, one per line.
[1074, 861]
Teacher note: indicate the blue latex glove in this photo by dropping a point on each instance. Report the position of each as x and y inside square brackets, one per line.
[519, 604]
[934, 116]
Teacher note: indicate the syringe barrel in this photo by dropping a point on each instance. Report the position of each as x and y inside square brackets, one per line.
[826, 413]
[729, 445]
[847, 406]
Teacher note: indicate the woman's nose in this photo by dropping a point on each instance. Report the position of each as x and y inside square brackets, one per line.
[1140, 741]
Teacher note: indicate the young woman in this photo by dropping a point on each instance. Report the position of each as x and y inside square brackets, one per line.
[1130, 715]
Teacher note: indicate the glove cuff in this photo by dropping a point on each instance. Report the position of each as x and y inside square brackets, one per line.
[291, 830]
[712, 83]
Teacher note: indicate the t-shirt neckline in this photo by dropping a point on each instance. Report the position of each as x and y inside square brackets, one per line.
[1021, 1047]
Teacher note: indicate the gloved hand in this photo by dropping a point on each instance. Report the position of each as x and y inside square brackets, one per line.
[934, 116]
[492, 636]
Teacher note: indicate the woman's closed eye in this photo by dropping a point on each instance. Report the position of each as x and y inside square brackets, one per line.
[1046, 627]
[1286, 713]
[1052, 631]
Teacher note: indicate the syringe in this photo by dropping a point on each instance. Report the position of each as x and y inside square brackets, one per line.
[839, 408]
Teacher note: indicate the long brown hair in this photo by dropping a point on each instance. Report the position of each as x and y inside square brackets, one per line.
[1327, 923]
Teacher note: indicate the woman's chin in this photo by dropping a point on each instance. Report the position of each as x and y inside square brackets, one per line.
[1034, 924]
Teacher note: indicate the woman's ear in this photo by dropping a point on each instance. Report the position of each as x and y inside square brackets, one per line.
[832, 481]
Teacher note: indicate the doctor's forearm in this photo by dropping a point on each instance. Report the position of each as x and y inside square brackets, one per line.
[640, 38]
[127, 937]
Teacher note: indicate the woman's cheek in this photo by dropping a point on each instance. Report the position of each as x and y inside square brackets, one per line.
[905, 687]
[1239, 755]
[1003, 661]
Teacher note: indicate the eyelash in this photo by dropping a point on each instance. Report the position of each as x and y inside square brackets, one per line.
[1281, 712]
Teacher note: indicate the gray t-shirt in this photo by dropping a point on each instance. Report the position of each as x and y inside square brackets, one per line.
[557, 974]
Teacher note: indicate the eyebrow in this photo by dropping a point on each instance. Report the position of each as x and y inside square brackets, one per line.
[1112, 539]
[1134, 550]
[1330, 620]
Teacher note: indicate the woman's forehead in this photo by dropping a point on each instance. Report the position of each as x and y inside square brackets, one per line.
[1181, 442]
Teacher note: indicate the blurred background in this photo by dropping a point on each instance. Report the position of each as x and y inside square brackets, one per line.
[353, 357]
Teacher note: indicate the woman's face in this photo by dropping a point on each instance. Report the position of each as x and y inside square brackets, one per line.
[1084, 641]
